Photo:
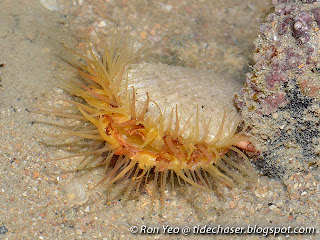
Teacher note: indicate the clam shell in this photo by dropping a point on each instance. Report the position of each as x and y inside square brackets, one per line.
[76, 192]
[53, 5]
[172, 86]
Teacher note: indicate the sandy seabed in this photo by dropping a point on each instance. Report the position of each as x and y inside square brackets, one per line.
[187, 33]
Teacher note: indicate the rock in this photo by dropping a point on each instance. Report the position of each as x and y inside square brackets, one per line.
[281, 97]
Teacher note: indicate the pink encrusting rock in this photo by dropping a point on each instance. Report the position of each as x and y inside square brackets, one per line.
[281, 96]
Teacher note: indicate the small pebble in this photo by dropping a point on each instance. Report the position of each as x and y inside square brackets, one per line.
[87, 209]
[102, 24]
[317, 177]
[79, 232]
[273, 208]
[3, 229]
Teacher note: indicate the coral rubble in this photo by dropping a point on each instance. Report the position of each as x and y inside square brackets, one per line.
[281, 97]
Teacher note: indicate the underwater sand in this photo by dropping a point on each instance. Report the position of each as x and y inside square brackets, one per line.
[215, 35]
